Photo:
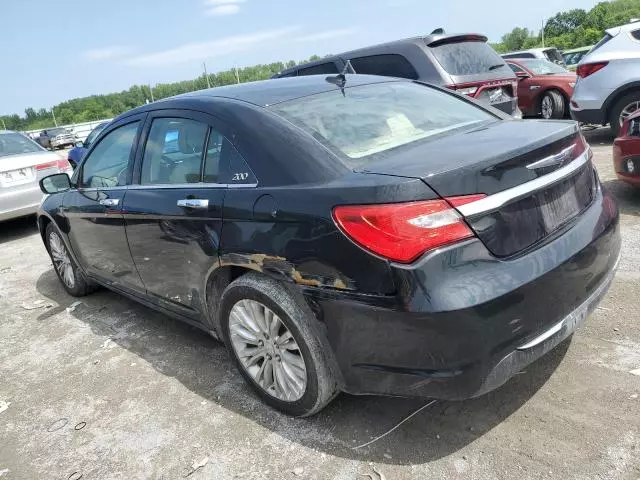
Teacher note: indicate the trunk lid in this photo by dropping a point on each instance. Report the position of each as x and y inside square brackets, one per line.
[18, 171]
[534, 175]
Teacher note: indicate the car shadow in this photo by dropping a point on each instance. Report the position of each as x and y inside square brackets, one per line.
[598, 135]
[17, 229]
[202, 365]
[627, 196]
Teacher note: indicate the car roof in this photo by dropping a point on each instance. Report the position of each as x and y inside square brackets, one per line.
[267, 92]
[579, 49]
[530, 50]
[424, 40]
[623, 28]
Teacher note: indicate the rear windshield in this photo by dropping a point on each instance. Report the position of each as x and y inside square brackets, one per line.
[604, 40]
[467, 58]
[375, 118]
[16, 144]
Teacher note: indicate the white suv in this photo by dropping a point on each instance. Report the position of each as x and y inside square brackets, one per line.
[608, 85]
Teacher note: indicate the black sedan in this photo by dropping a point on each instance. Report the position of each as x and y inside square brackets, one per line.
[358, 234]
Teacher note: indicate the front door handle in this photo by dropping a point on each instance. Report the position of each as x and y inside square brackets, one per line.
[110, 202]
[193, 203]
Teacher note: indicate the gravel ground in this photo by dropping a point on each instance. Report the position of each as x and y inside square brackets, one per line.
[112, 390]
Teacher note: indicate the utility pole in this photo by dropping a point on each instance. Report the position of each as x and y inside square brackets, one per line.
[151, 91]
[54, 117]
[543, 33]
[4, 125]
[206, 75]
[237, 76]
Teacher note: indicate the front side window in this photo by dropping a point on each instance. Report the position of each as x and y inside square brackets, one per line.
[516, 69]
[173, 152]
[13, 143]
[390, 65]
[108, 163]
[94, 133]
[371, 119]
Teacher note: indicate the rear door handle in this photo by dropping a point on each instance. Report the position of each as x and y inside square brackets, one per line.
[193, 203]
[110, 202]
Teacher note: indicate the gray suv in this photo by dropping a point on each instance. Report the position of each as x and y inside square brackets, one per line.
[608, 86]
[461, 62]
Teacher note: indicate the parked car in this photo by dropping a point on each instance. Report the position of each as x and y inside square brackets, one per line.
[80, 148]
[626, 150]
[56, 138]
[572, 57]
[22, 164]
[461, 62]
[608, 86]
[373, 236]
[544, 88]
[550, 53]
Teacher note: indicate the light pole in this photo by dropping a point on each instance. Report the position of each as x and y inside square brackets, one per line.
[206, 75]
[55, 122]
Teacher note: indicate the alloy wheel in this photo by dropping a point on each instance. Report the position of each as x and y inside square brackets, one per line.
[61, 260]
[547, 108]
[628, 110]
[267, 350]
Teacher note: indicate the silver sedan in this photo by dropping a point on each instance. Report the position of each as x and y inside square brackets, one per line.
[22, 164]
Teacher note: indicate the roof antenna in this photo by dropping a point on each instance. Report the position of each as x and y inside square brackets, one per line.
[341, 80]
[437, 31]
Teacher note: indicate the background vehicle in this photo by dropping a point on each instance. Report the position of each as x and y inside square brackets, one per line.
[608, 87]
[626, 150]
[550, 53]
[22, 164]
[56, 138]
[462, 62]
[544, 88]
[572, 57]
[76, 153]
[353, 242]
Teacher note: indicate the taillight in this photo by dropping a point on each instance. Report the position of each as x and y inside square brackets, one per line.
[471, 91]
[587, 69]
[403, 231]
[61, 165]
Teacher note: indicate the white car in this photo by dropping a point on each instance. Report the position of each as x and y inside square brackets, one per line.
[22, 164]
[608, 86]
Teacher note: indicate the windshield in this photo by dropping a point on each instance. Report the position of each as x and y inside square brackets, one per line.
[542, 67]
[467, 58]
[375, 118]
[13, 143]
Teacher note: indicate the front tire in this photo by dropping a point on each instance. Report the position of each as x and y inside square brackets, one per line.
[276, 344]
[552, 105]
[69, 274]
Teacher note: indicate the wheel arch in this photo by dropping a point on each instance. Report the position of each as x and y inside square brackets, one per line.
[617, 94]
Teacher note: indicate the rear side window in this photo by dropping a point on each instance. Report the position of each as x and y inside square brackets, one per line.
[173, 153]
[329, 67]
[604, 40]
[391, 65]
[636, 34]
[553, 55]
[371, 119]
[466, 58]
[224, 164]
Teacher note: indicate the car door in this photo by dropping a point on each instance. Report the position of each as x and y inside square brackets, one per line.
[526, 88]
[174, 212]
[93, 209]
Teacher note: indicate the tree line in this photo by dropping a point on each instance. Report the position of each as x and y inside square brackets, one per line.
[567, 29]
[572, 28]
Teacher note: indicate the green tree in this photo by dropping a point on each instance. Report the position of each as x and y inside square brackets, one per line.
[564, 22]
[514, 40]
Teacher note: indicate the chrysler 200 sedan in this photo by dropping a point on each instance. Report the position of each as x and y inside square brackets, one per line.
[359, 234]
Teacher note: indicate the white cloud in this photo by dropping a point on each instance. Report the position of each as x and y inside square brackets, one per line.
[214, 48]
[229, 9]
[327, 35]
[105, 53]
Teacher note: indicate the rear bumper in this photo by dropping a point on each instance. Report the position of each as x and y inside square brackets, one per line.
[62, 142]
[19, 203]
[464, 322]
[594, 117]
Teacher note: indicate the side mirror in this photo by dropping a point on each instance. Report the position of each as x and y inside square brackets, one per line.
[80, 144]
[60, 182]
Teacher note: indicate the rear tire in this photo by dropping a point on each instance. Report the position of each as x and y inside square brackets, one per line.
[552, 105]
[67, 270]
[276, 344]
[621, 109]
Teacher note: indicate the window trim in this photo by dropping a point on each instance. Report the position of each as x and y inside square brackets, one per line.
[79, 173]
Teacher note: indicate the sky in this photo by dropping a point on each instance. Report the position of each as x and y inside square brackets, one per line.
[55, 51]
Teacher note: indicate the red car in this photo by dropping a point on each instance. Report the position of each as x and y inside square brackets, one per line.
[544, 88]
[626, 150]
